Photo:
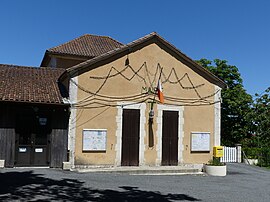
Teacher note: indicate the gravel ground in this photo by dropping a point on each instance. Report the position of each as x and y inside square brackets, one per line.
[243, 183]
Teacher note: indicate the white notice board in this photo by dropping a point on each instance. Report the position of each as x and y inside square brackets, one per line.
[94, 139]
[200, 141]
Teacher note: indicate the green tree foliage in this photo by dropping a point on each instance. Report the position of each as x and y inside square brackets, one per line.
[261, 118]
[259, 143]
[236, 102]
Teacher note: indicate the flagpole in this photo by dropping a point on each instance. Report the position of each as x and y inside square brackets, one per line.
[158, 81]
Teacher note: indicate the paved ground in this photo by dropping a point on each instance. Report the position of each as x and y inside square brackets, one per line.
[243, 183]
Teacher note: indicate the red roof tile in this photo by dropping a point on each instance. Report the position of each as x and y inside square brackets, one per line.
[30, 84]
[87, 45]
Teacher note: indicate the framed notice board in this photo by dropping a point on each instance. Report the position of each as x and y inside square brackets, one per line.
[200, 142]
[94, 139]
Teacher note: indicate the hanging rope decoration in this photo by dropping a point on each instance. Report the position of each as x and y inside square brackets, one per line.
[97, 100]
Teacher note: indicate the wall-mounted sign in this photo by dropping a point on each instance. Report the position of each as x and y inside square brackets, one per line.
[94, 139]
[22, 149]
[200, 141]
[42, 121]
[38, 150]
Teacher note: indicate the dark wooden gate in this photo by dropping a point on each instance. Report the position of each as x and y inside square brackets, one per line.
[169, 138]
[130, 137]
[32, 140]
[33, 135]
[7, 135]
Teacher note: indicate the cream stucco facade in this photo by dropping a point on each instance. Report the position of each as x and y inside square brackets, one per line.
[100, 94]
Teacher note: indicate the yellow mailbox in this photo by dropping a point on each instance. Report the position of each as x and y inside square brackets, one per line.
[218, 151]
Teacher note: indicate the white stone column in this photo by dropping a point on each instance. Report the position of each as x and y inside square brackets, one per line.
[217, 111]
[239, 153]
[73, 90]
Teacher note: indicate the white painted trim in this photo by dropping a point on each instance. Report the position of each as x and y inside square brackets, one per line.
[217, 111]
[95, 129]
[180, 110]
[118, 146]
[73, 92]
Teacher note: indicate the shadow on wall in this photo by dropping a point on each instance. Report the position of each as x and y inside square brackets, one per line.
[26, 186]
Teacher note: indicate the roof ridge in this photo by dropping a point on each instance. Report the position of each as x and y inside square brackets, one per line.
[114, 40]
[142, 38]
[66, 42]
[75, 39]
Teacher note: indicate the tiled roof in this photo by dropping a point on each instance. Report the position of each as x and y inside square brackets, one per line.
[87, 45]
[30, 84]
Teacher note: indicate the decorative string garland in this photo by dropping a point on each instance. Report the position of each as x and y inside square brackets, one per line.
[97, 100]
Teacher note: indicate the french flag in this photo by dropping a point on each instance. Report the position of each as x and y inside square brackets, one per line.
[160, 93]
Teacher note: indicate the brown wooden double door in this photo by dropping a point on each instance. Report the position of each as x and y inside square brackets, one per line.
[130, 137]
[169, 138]
[32, 141]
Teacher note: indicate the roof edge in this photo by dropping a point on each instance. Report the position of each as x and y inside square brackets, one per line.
[36, 103]
[191, 63]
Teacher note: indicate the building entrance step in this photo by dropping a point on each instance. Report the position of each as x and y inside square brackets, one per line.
[143, 170]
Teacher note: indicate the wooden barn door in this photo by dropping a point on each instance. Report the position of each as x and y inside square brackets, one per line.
[130, 137]
[169, 138]
[32, 143]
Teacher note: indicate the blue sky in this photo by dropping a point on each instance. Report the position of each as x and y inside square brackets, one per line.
[234, 30]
